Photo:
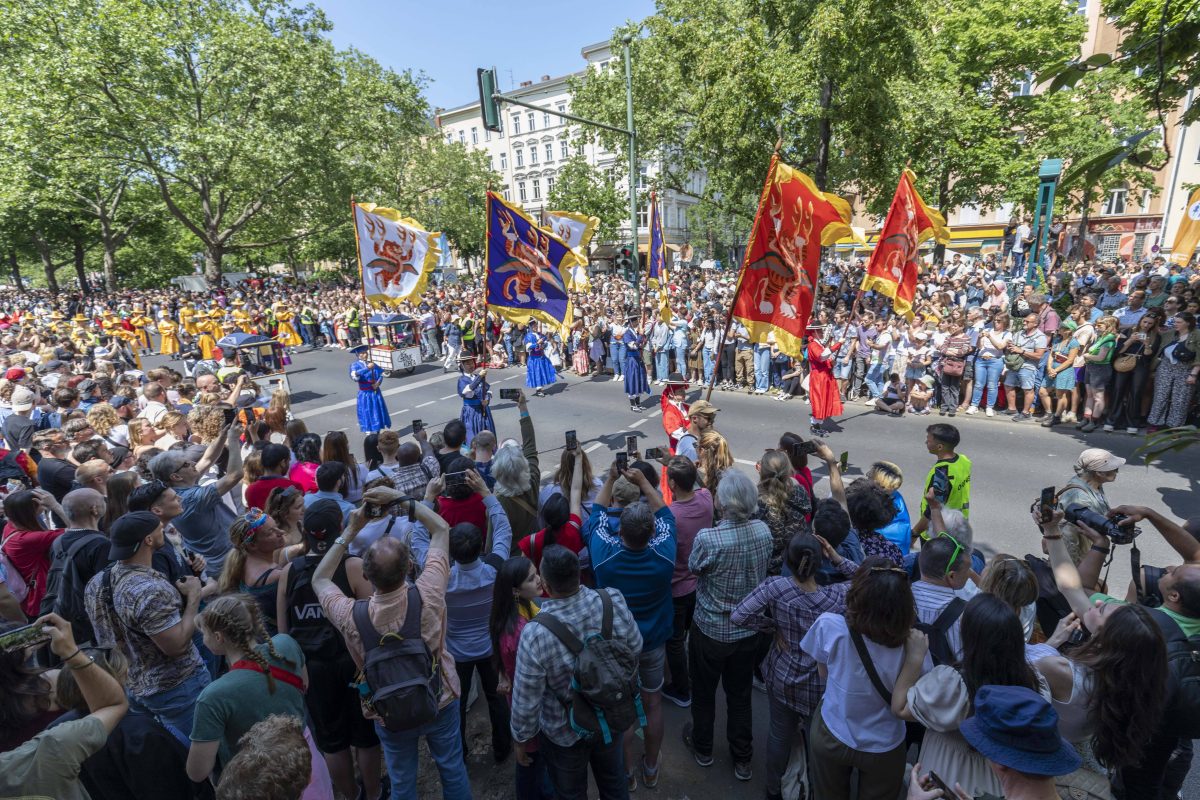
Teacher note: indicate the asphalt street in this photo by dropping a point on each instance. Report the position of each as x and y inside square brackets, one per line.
[1012, 462]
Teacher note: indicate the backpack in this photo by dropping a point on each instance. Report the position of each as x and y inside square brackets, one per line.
[50, 421]
[1181, 715]
[11, 470]
[13, 578]
[64, 585]
[606, 693]
[404, 679]
[939, 644]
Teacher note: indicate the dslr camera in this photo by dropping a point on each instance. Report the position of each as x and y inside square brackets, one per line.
[1110, 527]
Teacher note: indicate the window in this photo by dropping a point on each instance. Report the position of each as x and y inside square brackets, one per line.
[579, 149]
[506, 196]
[562, 108]
[537, 189]
[462, 137]
[491, 164]
[474, 135]
[545, 120]
[1023, 88]
[1109, 247]
[503, 161]
[487, 135]
[643, 170]
[531, 117]
[533, 154]
[520, 154]
[1116, 201]
[449, 137]
[1081, 7]
[521, 191]
[1144, 204]
[565, 150]
[549, 151]
[643, 216]
[549, 184]
[516, 126]
[1004, 212]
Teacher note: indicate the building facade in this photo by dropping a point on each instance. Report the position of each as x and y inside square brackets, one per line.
[534, 146]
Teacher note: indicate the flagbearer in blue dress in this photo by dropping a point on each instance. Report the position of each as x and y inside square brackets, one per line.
[539, 371]
[636, 384]
[372, 411]
[476, 394]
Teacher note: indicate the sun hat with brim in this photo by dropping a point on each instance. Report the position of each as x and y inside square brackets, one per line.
[1017, 728]
[1097, 459]
[80, 318]
[22, 399]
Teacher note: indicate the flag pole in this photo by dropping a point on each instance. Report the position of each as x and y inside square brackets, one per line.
[362, 275]
[762, 200]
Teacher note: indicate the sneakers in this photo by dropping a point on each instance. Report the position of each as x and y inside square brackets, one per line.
[743, 771]
[1069, 418]
[650, 776]
[701, 758]
[991, 412]
[681, 699]
[1022, 417]
[972, 410]
[1132, 431]
[1088, 426]
[953, 411]
[1050, 422]
[1108, 429]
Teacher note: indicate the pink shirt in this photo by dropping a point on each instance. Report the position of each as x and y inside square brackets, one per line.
[691, 517]
[305, 474]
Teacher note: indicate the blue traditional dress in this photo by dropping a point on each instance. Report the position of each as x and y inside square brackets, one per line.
[635, 369]
[539, 371]
[372, 412]
[475, 391]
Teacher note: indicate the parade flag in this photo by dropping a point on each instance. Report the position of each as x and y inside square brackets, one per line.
[656, 268]
[526, 267]
[395, 254]
[783, 255]
[892, 270]
[577, 231]
[1188, 234]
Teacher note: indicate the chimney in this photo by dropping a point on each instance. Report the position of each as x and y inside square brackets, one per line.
[525, 84]
[545, 78]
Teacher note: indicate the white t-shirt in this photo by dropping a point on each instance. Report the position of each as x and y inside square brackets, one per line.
[852, 709]
[1019, 238]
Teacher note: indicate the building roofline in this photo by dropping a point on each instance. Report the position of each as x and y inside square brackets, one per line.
[591, 48]
[518, 92]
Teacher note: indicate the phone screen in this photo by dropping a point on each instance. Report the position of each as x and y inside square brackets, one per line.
[630, 444]
[1047, 502]
[22, 638]
[844, 460]
[230, 415]
[572, 441]
[417, 426]
[941, 784]
[622, 461]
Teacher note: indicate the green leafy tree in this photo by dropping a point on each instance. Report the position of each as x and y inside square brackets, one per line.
[584, 189]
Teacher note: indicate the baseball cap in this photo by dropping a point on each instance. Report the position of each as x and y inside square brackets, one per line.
[14, 374]
[128, 531]
[703, 407]
[323, 520]
[1094, 459]
[118, 400]
[22, 399]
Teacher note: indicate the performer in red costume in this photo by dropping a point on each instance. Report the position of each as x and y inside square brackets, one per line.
[822, 387]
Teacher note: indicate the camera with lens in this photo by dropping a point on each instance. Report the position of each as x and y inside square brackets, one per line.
[401, 505]
[1111, 527]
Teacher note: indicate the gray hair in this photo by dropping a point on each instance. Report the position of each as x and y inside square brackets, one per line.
[1037, 297]
[737, 496]
[511, 471]
[164, 465]
[959, 527]
[637, 525]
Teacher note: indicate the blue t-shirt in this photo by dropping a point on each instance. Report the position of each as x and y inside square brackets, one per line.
[204, 525]
[642, 576]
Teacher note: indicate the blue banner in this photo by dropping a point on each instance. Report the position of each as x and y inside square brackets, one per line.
[525, 267]
[656, 273]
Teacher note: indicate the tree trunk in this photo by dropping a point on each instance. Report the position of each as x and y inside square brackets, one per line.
[80, 268]
[15, 268]
[824, 134]
[43, 248]
[110, 267]
[1077, 250]
[213, 255]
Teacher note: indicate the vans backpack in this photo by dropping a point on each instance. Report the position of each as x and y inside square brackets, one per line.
[606, 694]
[404, 679]
[1182, 711]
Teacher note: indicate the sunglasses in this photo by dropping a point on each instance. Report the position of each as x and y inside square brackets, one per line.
[958, 548]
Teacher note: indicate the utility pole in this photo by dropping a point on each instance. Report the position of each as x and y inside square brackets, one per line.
[633, 171]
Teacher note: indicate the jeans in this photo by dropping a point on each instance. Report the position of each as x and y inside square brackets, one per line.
[568, 767]
[533, 782]
[451, 360]
[677, 661]
[707, 356]
[858, 374]
[327, 332]
[786, 724]
[876, 378]
[987, 376]
[728, 363]
[174, 708]
[496, 703]
[951, 386]
[681, 359]
[762, 368]
[730, 664]
[445, 745]
[429, 342]
[1018, 267]
[616, 357]
[661, 361]
[305, 334]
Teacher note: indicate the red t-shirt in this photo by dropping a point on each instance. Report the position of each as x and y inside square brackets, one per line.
[257, 492]
[470, 510]
[569, 537]
[29, 552]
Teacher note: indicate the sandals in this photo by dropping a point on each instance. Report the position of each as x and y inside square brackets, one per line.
[650, 776]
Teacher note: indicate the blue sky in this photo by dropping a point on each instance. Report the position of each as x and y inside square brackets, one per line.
[448, 39]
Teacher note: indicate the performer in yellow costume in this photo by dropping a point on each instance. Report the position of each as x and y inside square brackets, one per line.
[80, 334]
[187, 319]
[240, 318]
[285, 332]
[140, 323]
[169, 332]
[205, 340]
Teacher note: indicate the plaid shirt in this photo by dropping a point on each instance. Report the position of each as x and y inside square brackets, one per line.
[729, 561]
[780, 607]
[541, 688]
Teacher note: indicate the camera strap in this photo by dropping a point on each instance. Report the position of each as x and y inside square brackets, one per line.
[1135, 566]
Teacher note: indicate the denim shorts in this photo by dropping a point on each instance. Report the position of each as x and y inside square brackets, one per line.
[651, 667]
[841, 370]
[1024, 377]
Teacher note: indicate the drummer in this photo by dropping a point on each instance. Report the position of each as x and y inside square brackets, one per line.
[476, 394]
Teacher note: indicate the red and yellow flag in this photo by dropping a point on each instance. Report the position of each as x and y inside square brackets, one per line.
[783, 256]
[892, 270]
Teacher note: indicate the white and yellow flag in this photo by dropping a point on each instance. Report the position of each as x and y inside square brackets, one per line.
[395, 254]
[1188, 234]
[577, 231]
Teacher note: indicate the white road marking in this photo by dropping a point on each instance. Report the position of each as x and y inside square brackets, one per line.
[593, 446]
[510, 377]
[447, 397]
[422, 405]
[747, 463]
[316, 412]
[641, 421]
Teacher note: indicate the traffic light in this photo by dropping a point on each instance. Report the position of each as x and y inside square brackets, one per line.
[625, 260]
[488, 106]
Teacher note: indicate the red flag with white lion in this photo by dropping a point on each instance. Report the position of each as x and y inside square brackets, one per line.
[779, 273]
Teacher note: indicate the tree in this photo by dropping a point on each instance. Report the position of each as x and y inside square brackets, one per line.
[244, 116]
[583, 189]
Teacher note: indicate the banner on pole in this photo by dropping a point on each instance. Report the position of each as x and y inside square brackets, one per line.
[395, 254]
[526, 267]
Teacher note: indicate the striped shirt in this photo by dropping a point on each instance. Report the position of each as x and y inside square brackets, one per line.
[930, 600]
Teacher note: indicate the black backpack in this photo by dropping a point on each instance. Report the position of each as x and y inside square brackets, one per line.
[1181, 715]
[606, 692]
[939, 644]
[10, 470]
[65, 585]
[403, 677]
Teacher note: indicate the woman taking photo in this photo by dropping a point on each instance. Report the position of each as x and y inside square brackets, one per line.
[859, 654]
[563, 517]
[1131, 366]
[954, 351]
[1175, 375]
[786, 608]
[782, 504]
[1098, 358]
